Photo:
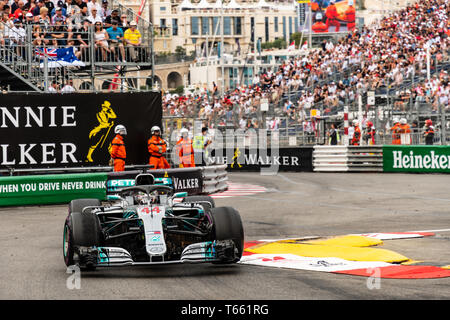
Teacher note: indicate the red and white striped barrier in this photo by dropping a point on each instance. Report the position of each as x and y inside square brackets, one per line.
[239, 189]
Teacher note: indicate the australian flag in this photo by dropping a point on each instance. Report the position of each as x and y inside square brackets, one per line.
[58, 57]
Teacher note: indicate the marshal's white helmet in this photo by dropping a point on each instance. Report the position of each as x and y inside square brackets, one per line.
[184, 132]
[155, 128]
[120, 129]
[395, 120]
[355, 122]
[403, 121]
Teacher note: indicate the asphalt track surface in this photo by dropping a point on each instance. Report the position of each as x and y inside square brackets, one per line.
[297, 205]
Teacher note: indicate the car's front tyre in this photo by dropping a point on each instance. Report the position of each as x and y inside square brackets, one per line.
[81, 230]
[68, 251]
[228, 226]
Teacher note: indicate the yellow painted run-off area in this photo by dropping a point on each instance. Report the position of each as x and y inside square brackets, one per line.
[350, 247]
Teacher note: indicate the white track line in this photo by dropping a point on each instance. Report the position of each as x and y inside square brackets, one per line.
[438, 230]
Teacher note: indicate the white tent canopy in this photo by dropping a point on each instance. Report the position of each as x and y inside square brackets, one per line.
[218, 4]
[262, 4]
[233, 5]
[186, 4]
[203, 4]
[283, 6]
[288, 6]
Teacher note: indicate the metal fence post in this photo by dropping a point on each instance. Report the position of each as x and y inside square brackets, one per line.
[443, 125]
[29, 49]
[152, 54]
[45, 69]
[92, 56]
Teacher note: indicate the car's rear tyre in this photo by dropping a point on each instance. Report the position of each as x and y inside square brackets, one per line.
[228, 226]
[204, 201]
[81, 230]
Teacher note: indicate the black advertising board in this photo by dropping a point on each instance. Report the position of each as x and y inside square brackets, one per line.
[248, 159]
[188, 180]
[73, 130]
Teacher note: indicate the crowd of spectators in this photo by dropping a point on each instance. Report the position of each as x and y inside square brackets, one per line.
[434, 92]
[59, 24]
[382, 55]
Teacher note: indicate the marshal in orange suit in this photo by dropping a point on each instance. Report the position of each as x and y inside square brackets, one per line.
[185, 150]
[118, 151]
[156, 147]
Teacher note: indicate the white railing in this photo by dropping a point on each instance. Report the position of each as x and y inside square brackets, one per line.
[214, 178]
[348, 158]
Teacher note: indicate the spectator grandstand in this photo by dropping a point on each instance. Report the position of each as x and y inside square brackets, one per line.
[95, 35]
[403, 59]
[388, 57]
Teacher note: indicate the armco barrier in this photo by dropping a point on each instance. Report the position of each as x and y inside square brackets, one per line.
[348, 158]
[51, 189]
[330, 158]
[214, 179]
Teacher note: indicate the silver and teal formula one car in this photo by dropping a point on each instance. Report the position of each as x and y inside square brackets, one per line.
[149, 224]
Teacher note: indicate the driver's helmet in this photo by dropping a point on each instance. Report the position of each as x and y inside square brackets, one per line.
[140, 198]
[154, 196]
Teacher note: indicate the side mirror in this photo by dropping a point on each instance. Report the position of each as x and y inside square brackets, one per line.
[180, 195]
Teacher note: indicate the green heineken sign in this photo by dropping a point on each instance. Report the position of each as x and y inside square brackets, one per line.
[49, 189]
[416, 159]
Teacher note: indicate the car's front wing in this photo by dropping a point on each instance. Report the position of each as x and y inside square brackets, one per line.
[210, 251]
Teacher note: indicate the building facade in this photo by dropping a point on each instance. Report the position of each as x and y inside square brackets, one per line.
[197, 26]
[193, 27]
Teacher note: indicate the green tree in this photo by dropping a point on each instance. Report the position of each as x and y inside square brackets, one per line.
[180, 51]
[297, 37]
[278, 44]
[177, 90]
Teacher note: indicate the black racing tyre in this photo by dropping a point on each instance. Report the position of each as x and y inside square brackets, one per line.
[202, 199]
[68, 249]
[80, 229]
[228, 226]
[77, 205]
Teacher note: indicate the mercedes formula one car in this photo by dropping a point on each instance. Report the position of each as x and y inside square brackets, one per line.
[149, 224]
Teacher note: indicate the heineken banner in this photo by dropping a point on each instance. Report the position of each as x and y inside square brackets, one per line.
[50, 189]
[73, 130]
[416, 159]
[269, 160]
